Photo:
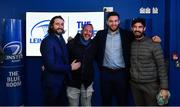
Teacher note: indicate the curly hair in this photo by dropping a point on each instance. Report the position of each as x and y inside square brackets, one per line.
[50, 27]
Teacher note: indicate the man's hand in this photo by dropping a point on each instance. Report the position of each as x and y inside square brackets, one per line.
[164, 93]
[75, 65]
[156, 39]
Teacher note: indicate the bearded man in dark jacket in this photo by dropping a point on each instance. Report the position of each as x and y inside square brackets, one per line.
[83, 49]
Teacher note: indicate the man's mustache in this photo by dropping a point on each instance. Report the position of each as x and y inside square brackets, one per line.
[137, 31]
[63, 31]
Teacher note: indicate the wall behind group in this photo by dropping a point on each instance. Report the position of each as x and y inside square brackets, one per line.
[127, 9]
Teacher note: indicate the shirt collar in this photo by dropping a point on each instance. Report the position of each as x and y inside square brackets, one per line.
[113, 33]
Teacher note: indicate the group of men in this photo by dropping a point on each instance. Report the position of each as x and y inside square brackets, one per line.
[119, 53]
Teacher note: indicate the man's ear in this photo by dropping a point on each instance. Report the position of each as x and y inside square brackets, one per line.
[144, 28]
[131, 28]
[107, 22]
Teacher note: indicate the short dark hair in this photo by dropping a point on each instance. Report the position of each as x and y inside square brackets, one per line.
[139, 20]
[50, 27]
[113, 14]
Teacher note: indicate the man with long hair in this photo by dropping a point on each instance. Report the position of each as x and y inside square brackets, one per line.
[56, 64]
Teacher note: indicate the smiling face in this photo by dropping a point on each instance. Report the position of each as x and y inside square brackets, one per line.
[58, 26]
[87, 32]
[113, 23]
[138, 29]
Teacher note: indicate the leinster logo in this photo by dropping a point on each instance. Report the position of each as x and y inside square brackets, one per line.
[13, 51]
[39, 31]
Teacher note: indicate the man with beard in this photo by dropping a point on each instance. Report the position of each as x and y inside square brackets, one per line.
[113, 58]
[56, 64]
[82, 48]
[148, 72]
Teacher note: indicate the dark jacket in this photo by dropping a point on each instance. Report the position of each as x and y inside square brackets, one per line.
[148, 62]
[84, 54]
[55, 60]
[100, 40]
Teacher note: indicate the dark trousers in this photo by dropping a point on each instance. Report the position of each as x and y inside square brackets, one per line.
[114, 83]
[55, 100]
[145, 93]
[54, 91]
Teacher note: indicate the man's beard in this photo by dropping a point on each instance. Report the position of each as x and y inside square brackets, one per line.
[59, 32]
[140, 35]
[113, 30]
